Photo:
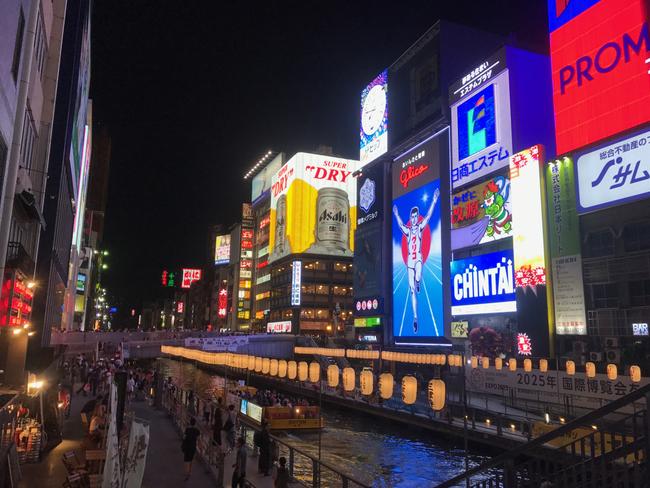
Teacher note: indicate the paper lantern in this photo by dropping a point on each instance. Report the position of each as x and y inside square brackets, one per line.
[474, 362]
[437, 394]
[303, 371]
[266, 365]
[366, 381]
[590, 369]
[333, 375]
[635, 374]
[543, 365]
[528, 365]
[273, 369]
[409, 389]
[485, 362]
[349, 379]
[612, 371]
[498, 364]
[292, 370]
[258, 364]
[282, 368]
[314, 372]
[512, 364]
[386, 384]
[442, 359]
[570, 368]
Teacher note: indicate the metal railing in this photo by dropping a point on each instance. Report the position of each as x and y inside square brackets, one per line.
[589, 454]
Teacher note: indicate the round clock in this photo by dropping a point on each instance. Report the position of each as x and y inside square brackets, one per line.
[374, 107]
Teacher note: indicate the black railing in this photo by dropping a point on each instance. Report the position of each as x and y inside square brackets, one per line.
[597, 454]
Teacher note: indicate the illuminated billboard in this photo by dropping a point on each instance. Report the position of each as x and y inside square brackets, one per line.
[614, 173]
[313, 207]
[374, 119]
[599, 62]
[282, 327]
[483, 284]
[222, 249]
[261, 183]
[481, 213]
[480, 121]
[222, 303]
[190, 275]
[417, 243]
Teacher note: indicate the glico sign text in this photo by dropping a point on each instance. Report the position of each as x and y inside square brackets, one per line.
[600, 58]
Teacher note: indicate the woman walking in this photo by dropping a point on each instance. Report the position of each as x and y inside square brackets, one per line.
[189, 446]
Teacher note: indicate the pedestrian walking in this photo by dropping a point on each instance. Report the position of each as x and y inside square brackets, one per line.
[230, 426]
[217, 424]
[281, 474]
[239, 468]
[264, 461]
[188, 446]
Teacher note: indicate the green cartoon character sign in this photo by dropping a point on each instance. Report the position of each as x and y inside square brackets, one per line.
[495, 196]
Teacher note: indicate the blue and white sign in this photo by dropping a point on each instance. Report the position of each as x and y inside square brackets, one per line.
[370, 195]
[367, 195]
[481, 131]
[373, 132]
[483, 284]
[613, 174]
[296, 283]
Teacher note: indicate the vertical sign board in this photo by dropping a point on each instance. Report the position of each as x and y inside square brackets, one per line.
[566, 259]
[222, 303]
[368, 272]
[417, 249]
[529, 248]
[296, 283]
[481, 129]
[599, 61]
[374, 119]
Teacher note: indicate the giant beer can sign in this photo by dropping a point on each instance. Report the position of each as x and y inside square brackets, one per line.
[313, 206]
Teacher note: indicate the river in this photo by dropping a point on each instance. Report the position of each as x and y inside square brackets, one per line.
[376, 451]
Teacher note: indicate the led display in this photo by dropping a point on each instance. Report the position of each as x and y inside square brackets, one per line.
[374, 119]
[222, 249]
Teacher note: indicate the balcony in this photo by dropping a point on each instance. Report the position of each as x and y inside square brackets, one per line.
[19, 258]
[616, 322]
[632, 266]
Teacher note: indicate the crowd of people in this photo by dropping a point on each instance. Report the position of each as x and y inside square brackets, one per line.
[273, 398]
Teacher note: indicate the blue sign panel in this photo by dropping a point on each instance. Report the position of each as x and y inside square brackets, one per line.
[562, 11]
[477, 128]
[483, 284]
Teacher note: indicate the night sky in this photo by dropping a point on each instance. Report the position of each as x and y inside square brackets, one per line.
[194, 92]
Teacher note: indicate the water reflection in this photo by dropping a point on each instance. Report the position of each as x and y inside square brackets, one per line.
[376, 451]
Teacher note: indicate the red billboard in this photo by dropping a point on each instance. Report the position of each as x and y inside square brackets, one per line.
[190, 275]
[600, 59]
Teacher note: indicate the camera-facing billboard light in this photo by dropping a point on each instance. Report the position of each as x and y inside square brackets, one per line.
[313, 207]
[374, 119]
[222, 249]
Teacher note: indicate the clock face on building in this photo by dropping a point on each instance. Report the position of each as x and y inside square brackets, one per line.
[374, 107]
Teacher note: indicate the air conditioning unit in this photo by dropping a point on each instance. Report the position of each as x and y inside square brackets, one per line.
[595, 357]
[613, 356]
[580, 347]
[611, 342]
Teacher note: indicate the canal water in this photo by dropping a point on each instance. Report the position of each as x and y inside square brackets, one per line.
[379, 452]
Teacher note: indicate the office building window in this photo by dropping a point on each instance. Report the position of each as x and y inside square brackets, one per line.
[604, 295]
[40, 45]
[18, 45]
[639, 293]
[636, 236]
[28, 141]
[600, 243]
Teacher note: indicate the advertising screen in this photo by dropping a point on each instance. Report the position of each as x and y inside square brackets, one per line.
[313, 207]
[261, 183]
[599, 62]
[367, 267]
[374, 119]
[190, 276]
[417, 243]
[481, 213]
[222, 249]
[370, 195]
[483, 284]
[481, 131]
[281, 327]
[614, 173]
[81, 282]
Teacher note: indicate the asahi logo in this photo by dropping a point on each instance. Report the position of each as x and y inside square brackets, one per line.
[329, 216]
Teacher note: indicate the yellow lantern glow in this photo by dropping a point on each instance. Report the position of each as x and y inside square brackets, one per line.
[442, 359]
[570, 368]
[498, 364]
[292, 370]
[612, 371]
[437, 392]
[314, 372]
[474, 362]
[266, 365]
[635, 374]
[386, 384]
[409, 389]
[485, 362]
[366, 381]
[282, 368]
[273, 368]
[543, 365]
[528, 365]
[303, 371]
[349, 379]
[590, 369]
[258, 364]
[333, 375]
[512, 364]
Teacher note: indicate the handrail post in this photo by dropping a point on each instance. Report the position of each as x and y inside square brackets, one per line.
[316, 473]
[291, 459]
[509, 478]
